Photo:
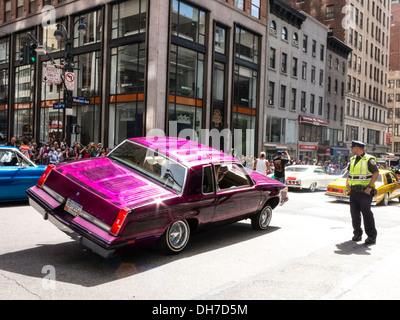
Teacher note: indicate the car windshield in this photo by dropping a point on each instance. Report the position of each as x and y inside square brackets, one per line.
[297, 169]
[151, 163]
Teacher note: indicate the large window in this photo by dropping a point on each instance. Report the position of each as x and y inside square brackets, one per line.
[186, 88]
[51, 120]
[23, 107]
[3, 105]
[188, 22]
[127, 92]
[244, 106]
[128, 18]
[88, 85]
[275, 129]
[218, 110]
[245, 93]
[247, 45]
[186, 69]
[94, 25]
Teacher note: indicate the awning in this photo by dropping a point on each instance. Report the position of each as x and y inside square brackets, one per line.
[336, 151]
[312, 120]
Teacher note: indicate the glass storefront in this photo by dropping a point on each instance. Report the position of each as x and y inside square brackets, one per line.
[245, 84]
[23, 101]
[51, 120]
[127, 92]
[186, 89]
[88, 84]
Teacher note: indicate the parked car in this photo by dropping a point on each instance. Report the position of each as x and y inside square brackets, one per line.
[387, 185]
[17, 174]
[307, 177]
[151, 190]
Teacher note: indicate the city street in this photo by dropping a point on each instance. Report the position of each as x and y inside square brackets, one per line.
[305, 254]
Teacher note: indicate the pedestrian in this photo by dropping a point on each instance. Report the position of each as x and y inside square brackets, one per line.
[279, 165]
[25, 149]
[363, 173]
[12, 143]
[53, 156]
[261, 165]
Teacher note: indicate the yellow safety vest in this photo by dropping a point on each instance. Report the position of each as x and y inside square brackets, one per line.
[359, 173]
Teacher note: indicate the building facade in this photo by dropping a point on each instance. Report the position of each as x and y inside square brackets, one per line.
[305, 83]
[178, 67]
[393, 101]
[364, 26]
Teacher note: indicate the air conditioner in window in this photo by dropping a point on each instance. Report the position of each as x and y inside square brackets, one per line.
[270, 102]
[304, 109]
[273, 31]
[283, 70]
[295, 42]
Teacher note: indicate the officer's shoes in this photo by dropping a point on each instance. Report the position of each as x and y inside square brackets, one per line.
[370, 241]
[356, 238]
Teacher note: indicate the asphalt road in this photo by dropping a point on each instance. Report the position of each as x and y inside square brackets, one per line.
[305, 254]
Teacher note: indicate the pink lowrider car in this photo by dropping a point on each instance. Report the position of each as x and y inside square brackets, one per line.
[151, 190]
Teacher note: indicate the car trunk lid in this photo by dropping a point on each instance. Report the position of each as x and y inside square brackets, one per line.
[103, 187]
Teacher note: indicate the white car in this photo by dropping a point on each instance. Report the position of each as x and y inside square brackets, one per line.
[307, 177]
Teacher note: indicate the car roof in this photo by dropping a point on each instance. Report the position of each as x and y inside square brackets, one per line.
[187, 152]
[8, 147]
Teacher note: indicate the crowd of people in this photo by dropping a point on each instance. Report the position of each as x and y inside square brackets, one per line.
[51, 151]
[329, 166]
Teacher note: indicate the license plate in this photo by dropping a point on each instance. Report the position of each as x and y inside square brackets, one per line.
[73, 208]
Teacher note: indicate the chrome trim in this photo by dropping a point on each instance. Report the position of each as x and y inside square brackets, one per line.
[56, 196]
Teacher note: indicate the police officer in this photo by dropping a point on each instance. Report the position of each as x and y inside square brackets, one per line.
[363, 173]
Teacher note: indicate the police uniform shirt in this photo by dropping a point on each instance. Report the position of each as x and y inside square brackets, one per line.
[372, 167]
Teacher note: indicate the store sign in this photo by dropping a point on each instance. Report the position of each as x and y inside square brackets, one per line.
[314, 121]
[388, 138]
[309, 147]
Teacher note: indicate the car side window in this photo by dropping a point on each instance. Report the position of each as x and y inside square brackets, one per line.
[207, 186]
[388, 178]
[9, 159]
[230, 175]
[319, 171]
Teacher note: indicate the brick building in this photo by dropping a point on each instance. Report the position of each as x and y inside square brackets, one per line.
[364, 26]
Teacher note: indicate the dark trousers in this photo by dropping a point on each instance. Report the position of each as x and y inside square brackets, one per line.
[360, 203]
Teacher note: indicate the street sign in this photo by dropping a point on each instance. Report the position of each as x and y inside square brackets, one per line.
[70, 81]
[80, 100]
[59, 105]
[51, 75]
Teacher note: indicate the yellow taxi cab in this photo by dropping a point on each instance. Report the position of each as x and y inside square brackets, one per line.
[387, 185]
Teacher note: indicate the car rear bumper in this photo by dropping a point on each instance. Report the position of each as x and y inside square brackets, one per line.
[346, 198]
[48, 208]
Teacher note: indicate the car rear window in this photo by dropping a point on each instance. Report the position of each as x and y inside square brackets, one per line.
[151, 163]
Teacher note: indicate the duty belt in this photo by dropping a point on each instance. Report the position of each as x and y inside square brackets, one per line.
[356, 177]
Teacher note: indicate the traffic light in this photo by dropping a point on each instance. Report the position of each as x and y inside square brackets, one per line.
[24, 53]
[32, 53]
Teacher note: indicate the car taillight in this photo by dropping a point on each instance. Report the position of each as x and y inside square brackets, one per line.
[123, 213]
[45, 175]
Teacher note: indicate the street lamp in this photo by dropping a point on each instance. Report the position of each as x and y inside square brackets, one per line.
[58, 35]
[69, 55]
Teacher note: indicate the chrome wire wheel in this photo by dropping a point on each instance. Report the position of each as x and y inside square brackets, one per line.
[262, 219]
[178, 234]
[176, 237]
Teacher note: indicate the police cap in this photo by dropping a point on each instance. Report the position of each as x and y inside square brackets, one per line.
[360, 144]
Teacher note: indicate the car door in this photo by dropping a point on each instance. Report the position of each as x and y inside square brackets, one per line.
[236, 195]
[392, 185]
[16, 176]
[322, 178]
